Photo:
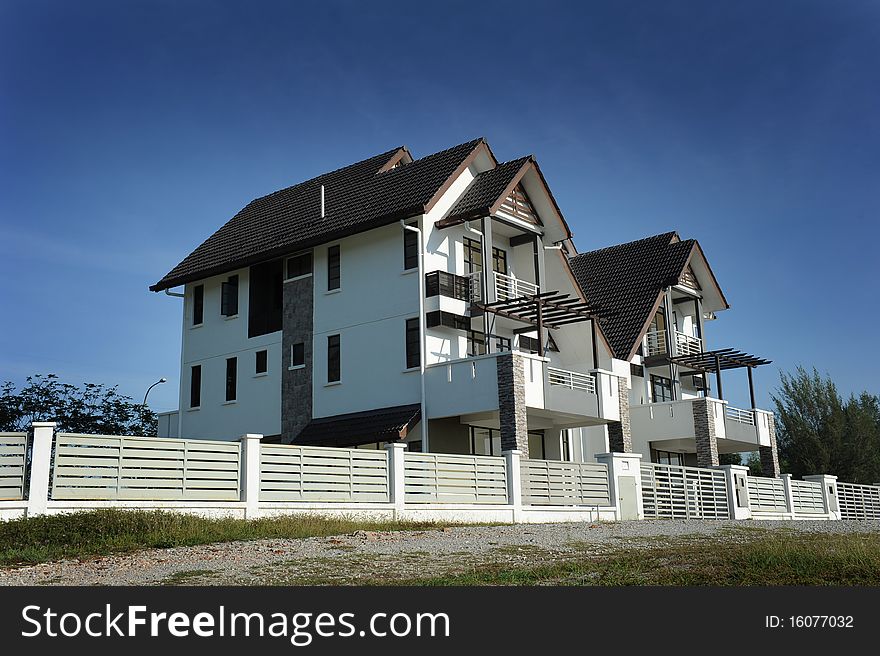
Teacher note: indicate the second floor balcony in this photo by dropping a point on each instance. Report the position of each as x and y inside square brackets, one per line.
[661, 342]
[470, 288]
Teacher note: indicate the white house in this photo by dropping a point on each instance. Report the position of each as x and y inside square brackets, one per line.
[347, 309]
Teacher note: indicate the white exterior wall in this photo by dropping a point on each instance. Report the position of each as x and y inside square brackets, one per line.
[258, 405]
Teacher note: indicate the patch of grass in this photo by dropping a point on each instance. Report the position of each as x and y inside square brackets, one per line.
[104, 532]
[772, 558]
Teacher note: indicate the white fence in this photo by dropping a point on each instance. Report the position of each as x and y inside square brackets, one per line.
[767, 495]
[445, 478]
[294, 473]
[807, 498]
[858, 501]
[132, 468]
[674, 492]
[13, 447]
[554, 483]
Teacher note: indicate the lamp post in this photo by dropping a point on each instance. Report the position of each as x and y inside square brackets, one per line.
[161, 380]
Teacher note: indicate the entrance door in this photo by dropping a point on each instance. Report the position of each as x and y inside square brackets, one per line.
[626, 493]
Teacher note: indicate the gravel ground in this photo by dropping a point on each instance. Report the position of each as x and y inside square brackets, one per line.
[364, 555]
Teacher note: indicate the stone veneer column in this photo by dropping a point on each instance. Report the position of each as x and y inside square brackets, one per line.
[619, 432]
[296, 384]
[704, 433]
[512, 403]
[770, 454]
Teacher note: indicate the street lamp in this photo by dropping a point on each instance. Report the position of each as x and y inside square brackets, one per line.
[161, 380]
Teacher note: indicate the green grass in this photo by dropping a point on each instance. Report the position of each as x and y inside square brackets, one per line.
[104, 532]
[771, 558]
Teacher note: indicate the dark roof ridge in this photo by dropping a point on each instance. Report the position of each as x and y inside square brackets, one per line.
[671, 234]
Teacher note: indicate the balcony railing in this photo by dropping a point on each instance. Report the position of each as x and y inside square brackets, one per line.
[742, 416]
[655, 343]
[571, 379]
[508, 288]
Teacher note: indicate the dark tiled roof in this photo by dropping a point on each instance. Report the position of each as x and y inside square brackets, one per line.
[357, 198]
[382, 425]
[485, 189]
[626, 281]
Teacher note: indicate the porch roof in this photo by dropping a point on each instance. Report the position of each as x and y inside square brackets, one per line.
[356, 428]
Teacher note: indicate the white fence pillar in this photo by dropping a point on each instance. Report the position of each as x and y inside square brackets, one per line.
[396, 476]
[41, 465]
[829, 493]
[250, 474]
[514, 482]
[736, 482]
[624, 483]
[789, 494]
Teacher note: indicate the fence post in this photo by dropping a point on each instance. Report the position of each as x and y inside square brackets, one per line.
[624, 483]
[514, 482]
[250, 474]
[396, 477]
[41, 465]
[737, 490]
[829, 493]
[789, 495]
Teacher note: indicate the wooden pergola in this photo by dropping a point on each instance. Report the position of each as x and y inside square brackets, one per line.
[544, 310]
[714, 362]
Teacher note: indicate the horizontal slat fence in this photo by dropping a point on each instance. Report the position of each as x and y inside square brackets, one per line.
[766, 495]
[302, 473]
[445, 478]
[858, 501]
[807, 498]
[675, 492]
[556, 483]
[13, 447]
[108, 467]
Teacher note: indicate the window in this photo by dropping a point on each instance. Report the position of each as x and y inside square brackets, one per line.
[231, 376]
[473, 255]
[499, 260]
[333, 274]
[299, 266]
[198, 304]
[229, 297]
[413, 343]
[261, 364]
[476, 343]
[333, 359]
[669, 458]
[265, 298]
[530, 344]
[536, 446]
[298, 355]
[195, 386]
[661, 389]
[410, 249]
[566, 446]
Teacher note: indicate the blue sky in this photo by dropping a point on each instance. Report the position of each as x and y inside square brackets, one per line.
[130, 131]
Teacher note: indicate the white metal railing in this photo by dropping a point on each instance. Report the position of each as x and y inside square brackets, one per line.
[508, 288]
[858, 501]
[655, 343]
[676, 492]
[572, 379]
[766, 495]
[687, 344]
[742, 416]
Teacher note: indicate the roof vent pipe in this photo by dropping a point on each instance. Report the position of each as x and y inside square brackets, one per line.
[322, 201]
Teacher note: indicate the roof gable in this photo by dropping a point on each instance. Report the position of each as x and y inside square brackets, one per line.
[365, 195]
[626, 281]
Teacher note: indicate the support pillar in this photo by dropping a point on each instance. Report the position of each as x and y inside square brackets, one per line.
[789, 495]
[396, 476]
[41, 467]
[512, 403]
[706, 432]
[770, 454]
[620, 432]
[250, 474]
[514, 482]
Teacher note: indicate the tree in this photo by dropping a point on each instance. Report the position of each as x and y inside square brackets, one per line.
[92, 408]
[729, 459]
[820, 433]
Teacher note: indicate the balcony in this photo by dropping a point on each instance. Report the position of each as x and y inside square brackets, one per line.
[569, 398]
[506, 287]
[683, 344]
[736, 429]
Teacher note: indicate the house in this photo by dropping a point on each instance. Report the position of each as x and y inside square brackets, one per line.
[430, 301]
[441, 302]
[662, 293]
